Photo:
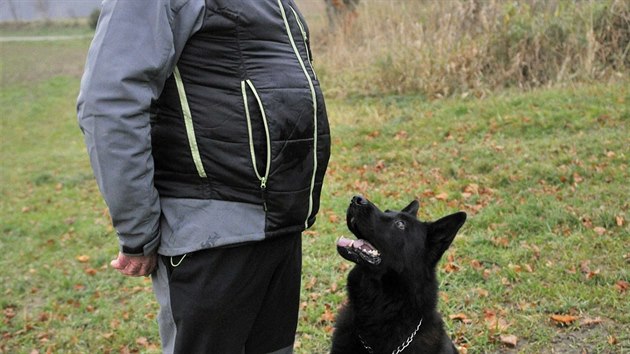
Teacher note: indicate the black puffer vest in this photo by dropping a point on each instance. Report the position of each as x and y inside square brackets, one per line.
[242, 118]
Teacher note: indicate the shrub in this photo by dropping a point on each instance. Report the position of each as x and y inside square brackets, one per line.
[442, 48]
[93, 20]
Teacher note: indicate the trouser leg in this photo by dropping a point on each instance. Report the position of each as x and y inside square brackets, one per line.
[231, 300]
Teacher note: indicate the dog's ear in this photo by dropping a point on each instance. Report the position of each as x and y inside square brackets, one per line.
[412, 208]
[441, 233]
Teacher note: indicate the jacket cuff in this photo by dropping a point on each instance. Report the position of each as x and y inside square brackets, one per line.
[142, 250]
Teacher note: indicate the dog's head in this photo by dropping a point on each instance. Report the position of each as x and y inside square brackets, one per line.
[392, 240]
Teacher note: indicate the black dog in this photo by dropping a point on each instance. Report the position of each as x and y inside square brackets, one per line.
[392, 290]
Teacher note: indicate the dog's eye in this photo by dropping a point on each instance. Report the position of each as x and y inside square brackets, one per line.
[400, 225]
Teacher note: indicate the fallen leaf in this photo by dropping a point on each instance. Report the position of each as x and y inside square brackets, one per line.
[328, 315]
[501, 242]
[599, 230]
[374, 134]
[311, 283]
[83, 258]
[619, 220]
[482, 292]
[451, 267]
[472, 188]
[509, 340]
[401, 135]
[612, 340]
[442, 196]
[91, 271]
[476, 264]
[142, 341]
[593, 274]
[9, 313]
[497, 324]
[460, 317]
[622, 286]
[563, 320]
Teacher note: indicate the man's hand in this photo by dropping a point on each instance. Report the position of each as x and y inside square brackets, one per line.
[135, 266]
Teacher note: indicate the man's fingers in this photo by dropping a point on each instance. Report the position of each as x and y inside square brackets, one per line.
[119, 263]
[134, 266]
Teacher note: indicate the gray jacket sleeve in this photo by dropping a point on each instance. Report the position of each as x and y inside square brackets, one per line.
[134, 50]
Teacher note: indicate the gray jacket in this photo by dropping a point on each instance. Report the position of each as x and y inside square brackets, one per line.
[135, 50]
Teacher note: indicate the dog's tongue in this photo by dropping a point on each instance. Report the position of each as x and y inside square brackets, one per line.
[357, 244]
[344, 242]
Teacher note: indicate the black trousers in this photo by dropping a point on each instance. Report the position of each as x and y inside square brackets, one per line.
[242, 299]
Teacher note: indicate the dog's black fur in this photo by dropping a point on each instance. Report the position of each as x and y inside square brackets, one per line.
[393, 285]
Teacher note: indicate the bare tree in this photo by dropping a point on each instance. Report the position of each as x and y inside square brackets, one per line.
[13, 12]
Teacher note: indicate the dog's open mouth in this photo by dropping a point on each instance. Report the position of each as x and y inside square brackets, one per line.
[357, 250]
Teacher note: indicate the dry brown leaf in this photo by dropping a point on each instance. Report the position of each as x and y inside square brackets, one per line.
[374, 134]
[311, 283]
[619, 220]
[509, 339]
[83, 258]
[592, 274]
[501, 242]
[401, 135]
[563, 320]
[451, 267]
[328, 315]
[482, 292]
[622, 286]
[476, 264]
[9, 313]
[442, 196]
[460, 317]
[142, 341]
[599, 230]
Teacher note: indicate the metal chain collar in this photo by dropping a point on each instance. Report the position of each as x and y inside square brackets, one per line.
[400, 348]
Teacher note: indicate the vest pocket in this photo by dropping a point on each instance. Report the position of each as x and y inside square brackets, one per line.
[262, 176]
[307, 47]
[188, 122]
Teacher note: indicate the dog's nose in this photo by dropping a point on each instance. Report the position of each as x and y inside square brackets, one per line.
[359, 200]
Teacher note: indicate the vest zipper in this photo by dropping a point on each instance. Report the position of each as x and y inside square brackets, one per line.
[262, 178]
[188, 122]
[314, 98]
[305, 38]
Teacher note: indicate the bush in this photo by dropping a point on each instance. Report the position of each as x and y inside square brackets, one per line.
[93, 20]
[442, 48]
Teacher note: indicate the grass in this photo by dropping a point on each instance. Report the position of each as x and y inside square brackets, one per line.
[543, 175]
[73, 27]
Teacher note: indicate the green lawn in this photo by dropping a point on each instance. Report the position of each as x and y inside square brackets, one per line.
[543, 175]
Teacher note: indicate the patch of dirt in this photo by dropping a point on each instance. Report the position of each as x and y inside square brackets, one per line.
[604, 338]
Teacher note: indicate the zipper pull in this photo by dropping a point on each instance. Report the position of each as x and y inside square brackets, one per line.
[263, 191]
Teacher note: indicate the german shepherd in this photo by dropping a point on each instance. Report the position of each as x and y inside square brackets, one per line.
[392, 289]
